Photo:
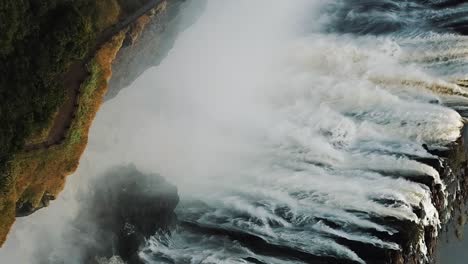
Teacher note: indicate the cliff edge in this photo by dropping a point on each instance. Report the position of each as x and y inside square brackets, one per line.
[56, 60]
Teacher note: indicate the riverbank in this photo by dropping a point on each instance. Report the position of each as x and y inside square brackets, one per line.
[37, 174]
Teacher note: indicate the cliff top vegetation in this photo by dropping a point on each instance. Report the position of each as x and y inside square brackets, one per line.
[39, 41]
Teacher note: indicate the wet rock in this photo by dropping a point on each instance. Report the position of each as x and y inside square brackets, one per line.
[27, 208]
[124, 208]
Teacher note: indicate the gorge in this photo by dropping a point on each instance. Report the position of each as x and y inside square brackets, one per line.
[265, 132]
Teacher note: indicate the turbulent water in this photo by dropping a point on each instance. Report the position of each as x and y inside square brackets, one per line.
[293, 129]
[356, 94]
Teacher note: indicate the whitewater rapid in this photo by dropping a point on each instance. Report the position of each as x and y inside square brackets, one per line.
[333, 136]
[278, 121]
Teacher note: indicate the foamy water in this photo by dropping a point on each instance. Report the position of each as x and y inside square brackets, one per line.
[334, 142]
[280, 122]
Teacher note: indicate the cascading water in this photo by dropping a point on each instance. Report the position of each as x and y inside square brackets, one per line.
[295, 130]
[340, 126]
[346, 119]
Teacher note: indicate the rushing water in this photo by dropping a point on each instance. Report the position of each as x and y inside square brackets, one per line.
[293, 129]
[332, 135]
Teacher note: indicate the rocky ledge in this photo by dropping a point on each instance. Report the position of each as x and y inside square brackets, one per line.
[34, 173]
[122, 209]
[451, 163]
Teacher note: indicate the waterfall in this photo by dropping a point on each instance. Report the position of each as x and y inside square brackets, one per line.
[295, 131]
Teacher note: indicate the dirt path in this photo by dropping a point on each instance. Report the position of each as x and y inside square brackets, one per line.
[73, 79]
[66, 113]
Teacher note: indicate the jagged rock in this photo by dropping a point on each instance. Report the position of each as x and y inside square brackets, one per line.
[123, 208]
[155, 41]
[27, 208]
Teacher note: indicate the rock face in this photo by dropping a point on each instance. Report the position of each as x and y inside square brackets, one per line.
[452, 167]
[37, 172]
[122, 208]
[128, 206]
[418, 242]
[156, 33]
[133, 206]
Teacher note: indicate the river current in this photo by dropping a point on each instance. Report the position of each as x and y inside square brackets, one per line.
[293, 130]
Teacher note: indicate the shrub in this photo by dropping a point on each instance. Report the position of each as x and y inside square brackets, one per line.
[39, 41]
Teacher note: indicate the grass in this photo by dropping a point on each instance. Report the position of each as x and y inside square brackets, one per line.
[32, 174]
[39, 41]
[41, 134]
[107, 13]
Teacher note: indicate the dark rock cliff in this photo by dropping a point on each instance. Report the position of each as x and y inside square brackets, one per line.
[120, 210]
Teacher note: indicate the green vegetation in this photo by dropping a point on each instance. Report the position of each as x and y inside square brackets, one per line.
[43, 171]
[42, 39]
[131, 6]
[33, 169]
[39, 41]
